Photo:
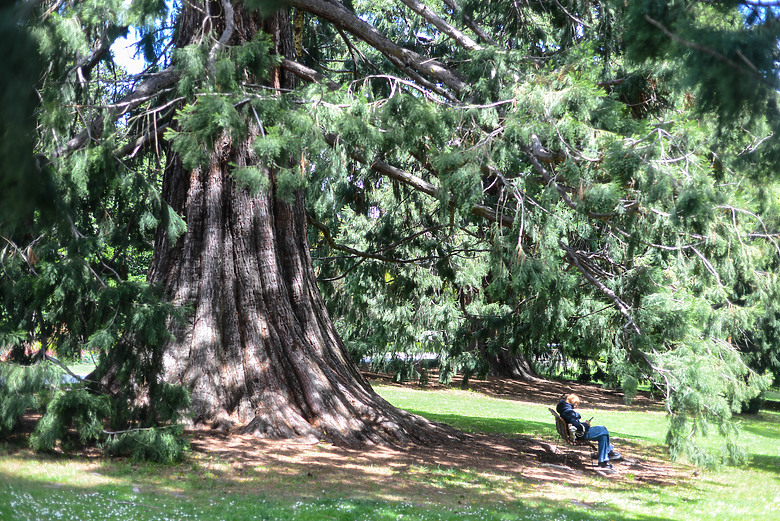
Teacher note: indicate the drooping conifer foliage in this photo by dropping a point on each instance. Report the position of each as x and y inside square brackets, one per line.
[488, 181]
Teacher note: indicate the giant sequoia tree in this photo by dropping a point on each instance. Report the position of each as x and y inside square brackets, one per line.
[258, 348]
[535, 172]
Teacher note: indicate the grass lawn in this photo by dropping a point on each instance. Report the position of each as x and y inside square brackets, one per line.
[749, 493]
[204, 487]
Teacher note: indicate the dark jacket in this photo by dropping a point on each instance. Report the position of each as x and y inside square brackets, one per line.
[572, 417]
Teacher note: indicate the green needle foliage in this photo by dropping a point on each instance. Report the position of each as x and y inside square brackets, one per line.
[639, 239]
[75, 252]
[72, 416]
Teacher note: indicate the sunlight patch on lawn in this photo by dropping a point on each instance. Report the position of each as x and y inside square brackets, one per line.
[72, 472]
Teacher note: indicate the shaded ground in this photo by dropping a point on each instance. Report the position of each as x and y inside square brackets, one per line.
[483, 466]
[478, 469]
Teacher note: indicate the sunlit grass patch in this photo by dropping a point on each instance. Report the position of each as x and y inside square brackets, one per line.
[36, 468]
[473, 412]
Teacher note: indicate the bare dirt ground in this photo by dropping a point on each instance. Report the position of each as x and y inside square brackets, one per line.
[480, 466]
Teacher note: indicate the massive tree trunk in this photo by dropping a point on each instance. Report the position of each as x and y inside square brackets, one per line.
[259, 350]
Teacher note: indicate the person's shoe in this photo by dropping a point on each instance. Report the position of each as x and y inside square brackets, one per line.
[605, 465]
[614, 456]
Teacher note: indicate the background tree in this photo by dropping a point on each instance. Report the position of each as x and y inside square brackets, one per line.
[531, 173]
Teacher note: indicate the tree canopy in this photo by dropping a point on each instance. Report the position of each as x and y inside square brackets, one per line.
[481, 179]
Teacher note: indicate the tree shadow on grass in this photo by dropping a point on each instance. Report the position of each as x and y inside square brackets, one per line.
[765, 463]
[763, 431]
[769, 427]
[505, 472]
[506, 426]
[535, 429]
[486, 468]
[491, 472]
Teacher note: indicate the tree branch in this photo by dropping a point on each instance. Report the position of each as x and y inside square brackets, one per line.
[622, 307]
[308, 74]
[84, 67]
[339, 16]
[419, 184]
[148, 89]
[441, 24]
[64, 368]
[227, 9]
[346, 249]
[453, 4]
[571, 16]
[367, 255]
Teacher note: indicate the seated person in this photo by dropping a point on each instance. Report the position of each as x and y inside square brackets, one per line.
[583, 429]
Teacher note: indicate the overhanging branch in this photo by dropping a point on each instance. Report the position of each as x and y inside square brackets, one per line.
[147, 90]
[622, 307]
[419, 184]
[339, 16]
[369, 255]
[481, 33]
[308, 74]
[441, 24]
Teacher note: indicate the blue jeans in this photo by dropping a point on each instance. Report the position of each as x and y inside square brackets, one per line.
[601, 435]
